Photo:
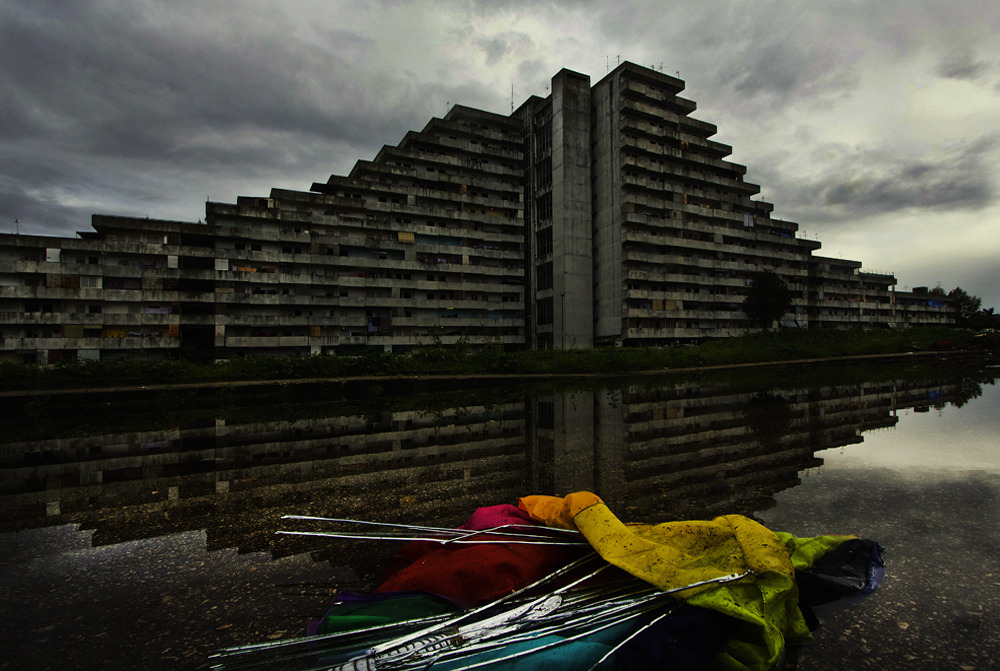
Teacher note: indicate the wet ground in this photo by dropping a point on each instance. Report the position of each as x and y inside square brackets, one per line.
[929, 492]
[939, 607]
[164, 601]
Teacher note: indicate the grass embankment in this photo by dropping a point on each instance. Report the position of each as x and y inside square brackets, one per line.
[435, 360]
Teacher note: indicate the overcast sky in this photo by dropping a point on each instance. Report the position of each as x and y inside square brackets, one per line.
[874, 125]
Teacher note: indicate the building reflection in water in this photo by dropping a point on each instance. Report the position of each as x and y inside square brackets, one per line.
[654, 454]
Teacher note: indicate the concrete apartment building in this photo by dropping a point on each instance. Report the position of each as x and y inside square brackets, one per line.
[598, 215]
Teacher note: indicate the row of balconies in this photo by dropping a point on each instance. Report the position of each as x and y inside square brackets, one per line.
[58, 318]
[732, 227]
[662, 98]
[677, 172]
[368, 339]
[726, 315]
[476, 170]
[363, 229]
[681, 333]
[711, 147]
[664, 275]
[447, 203]
[468, 284]
[759, 257]
[102, 343]
[702, 161]
[470, 251]
[683, 162]
[424, 316]
[698, 128]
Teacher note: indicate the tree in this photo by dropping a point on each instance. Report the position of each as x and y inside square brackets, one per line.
[768, 299]
[967, 306]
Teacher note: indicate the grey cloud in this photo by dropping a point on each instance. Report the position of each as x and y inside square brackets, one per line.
[769, 55]
[38, 213]
[498, 46]
[962, 65]
[495, 48]
[103, 88]
[958, 180]
[855, 183]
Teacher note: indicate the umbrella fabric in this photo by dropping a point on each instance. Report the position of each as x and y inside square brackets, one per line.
[491, 517]
[471, 575]
[359, 611]
[687, 640]
[676, 554]
[535, 656]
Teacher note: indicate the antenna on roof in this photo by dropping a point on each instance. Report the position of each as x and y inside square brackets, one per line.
[512, 97]
[619, 59]
[661, 66]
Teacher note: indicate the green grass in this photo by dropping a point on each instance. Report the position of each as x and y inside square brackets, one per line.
[773, 346]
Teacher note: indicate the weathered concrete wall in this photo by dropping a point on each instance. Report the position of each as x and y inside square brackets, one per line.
[572, 263]
[607, 243]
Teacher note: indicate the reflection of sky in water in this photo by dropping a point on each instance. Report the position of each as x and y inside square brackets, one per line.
[942, 440]
[929, 492]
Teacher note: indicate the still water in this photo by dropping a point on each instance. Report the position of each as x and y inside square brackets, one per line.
[146, 538]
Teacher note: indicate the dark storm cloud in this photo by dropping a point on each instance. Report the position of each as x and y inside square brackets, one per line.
[146, 94]
[855, 183]
[113, 82]
[37, 214]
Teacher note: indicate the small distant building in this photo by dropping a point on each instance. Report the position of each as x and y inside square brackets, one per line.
[597, 215]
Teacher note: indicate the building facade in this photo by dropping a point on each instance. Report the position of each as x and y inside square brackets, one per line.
[597, 215]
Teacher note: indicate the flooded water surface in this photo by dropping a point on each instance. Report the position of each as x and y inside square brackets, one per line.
[142, 533]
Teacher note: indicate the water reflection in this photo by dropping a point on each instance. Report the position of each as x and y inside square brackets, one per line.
[652, 452]
[174, 502]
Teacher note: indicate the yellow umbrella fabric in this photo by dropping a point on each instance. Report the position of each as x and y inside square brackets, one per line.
[675, 554]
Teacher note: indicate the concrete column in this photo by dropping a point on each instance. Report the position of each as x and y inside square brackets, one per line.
[608, 312]
[572, 260]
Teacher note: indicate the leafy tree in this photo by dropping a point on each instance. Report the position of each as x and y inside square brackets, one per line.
[968, 306]
[768, 299]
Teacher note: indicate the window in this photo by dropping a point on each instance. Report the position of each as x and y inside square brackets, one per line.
[544, 238]
[94, 309]
[543, 139]
[545, 275]
[545, 311]
[544, 205]
[543, 173]
[88, 282]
